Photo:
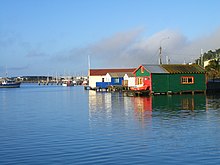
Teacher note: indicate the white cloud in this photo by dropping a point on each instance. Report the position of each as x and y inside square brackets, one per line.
[131, 48]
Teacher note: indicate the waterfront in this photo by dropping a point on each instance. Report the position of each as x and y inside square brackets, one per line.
[62, 125]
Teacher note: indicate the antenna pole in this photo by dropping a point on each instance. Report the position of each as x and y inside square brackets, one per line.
[160, 50]
[201, 54]
[160, 60]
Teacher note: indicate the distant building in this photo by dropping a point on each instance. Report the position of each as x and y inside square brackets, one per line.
[207, 62]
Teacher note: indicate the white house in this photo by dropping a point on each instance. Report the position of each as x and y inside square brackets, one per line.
[130, 78]
[100, 75]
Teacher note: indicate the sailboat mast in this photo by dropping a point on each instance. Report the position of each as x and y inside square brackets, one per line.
[88, 61]
[89, 65]
[6, 71]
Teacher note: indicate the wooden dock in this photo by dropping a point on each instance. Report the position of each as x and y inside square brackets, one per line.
[136, 93]
[127, 92]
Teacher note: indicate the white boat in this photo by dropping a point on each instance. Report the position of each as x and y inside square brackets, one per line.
[84, 83]
[69, 83]
[8, 83]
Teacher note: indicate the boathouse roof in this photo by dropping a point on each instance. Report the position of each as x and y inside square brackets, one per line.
[172, 68]
[183, 68]
[102, 72]
[155, 69]
[121, 74]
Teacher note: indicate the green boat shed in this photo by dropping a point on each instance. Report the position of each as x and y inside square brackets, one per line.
[171, 78]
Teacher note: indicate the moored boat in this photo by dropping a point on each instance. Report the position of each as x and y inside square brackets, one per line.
[68, 83]
[140, 88]
[8, 83]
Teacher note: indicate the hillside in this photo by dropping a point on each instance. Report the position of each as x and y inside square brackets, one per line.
[211, 58]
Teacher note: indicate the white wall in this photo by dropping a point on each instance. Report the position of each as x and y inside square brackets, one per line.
[94, 79]
[131, 80]
[107, 78]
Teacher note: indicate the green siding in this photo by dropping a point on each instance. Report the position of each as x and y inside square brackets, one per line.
[160, 83]
[176, 86]
[172, 82]
[139, 74]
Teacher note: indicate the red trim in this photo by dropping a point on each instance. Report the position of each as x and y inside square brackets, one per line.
[187, 77]
[151, 81]
[139, 68]
[134, 72]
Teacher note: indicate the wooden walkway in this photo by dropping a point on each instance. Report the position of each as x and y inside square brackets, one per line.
[127, 92]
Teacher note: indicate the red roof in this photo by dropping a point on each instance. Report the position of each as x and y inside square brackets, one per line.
[101, 72]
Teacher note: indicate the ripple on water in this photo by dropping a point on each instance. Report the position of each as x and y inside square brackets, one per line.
[56, 125]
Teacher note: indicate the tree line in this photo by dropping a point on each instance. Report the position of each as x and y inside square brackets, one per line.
[213, 66]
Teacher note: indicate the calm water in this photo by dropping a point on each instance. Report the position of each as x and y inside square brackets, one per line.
[61, 125]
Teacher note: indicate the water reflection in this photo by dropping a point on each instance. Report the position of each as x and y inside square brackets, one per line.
[111, 104]
[213, 101]
[177, 107]
[108, 104]
[142, 107]
[180, 102]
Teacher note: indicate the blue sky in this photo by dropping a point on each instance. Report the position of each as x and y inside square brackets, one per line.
[45, 37]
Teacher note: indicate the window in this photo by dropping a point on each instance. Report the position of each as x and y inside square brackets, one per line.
[125, 83]
[103, 79]
[187, 80]
[139, 81]
[116, 80]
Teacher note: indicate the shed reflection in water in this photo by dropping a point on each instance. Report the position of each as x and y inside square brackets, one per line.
[168, 106]
[180, 102]
[109, 104]
[144, 107]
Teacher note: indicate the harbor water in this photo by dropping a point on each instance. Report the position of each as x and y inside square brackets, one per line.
[70, 125]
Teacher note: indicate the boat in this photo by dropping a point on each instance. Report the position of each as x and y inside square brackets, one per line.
[140, 88]
[9, 83]
[84, 83]
[68, 83]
